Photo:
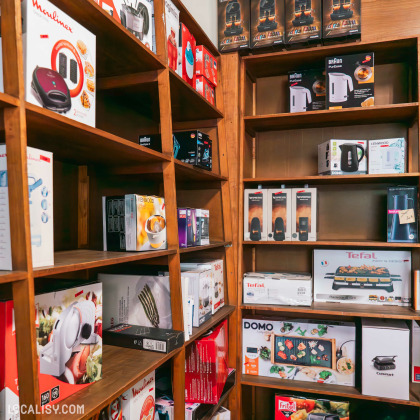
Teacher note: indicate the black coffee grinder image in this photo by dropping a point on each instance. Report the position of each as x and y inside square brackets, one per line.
[341, 10]
[384, 362]
[233, 19]
[303, 13]
[279, 234]
[350, 157]
[255, 230]
[267, 16]
[303, 228]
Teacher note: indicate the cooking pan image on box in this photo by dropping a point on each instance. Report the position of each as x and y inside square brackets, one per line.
[384, 362]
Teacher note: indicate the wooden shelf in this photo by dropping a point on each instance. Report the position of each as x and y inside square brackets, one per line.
[203, 247]
[8, 100]
[187, 172]
[11, 276]
[334, 243]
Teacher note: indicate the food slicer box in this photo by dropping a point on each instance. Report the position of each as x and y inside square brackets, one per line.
[415, 352]
[203, 220]
[342, 19]
[205, 64]
[186, 55]
[193, 147]
[304, 214]
[172, 33]
[386, 358]
[59, 62]
[255, 215]
[279, 214]
[204, 88]
[182, 227]
[351, 276]
[387, 156]
[269, 344]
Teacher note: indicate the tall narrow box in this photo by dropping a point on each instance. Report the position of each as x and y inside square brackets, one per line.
[279, 214]
[172, 33]
[304, 214]
[415, 352]
[186, 55]
[203, 219]
[113, 214]
[255, 215]
[182, 228]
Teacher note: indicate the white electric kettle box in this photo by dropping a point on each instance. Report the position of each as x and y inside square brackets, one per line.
[307, 90]
[387, 156]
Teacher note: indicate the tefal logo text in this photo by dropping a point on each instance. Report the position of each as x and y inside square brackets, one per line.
[361, 255]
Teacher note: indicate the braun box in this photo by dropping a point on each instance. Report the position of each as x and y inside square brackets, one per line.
[304, 214]
[342, 157]
[387, 156]
[358, 276]
[342, 19]
[255, 215]
[386, 358]
[279, 214]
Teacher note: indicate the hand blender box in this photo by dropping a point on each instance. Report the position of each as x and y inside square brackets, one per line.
[172, 33]
[304, 214]
[193, 147]
[415, 352]
[279, 214]
[182, 227]
[342, 19]
[203, 220]
[186, 55]
[362, 276]
[350, 81]
[191, 227]
[204, 88]
[205, 64]
[233, 25]
[255, 215]
[267, 23]
[387, 156]
[402, 214]
[59, 62]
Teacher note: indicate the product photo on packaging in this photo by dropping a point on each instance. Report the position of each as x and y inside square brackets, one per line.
[186, 55]
[342, 19]
[255, 215]
[387, 156]
[307, 90]
[279, 214]
[304, 214]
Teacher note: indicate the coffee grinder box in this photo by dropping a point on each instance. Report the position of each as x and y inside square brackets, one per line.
[279, 214]
[186, 55]
[303, 21]
[203, 219]
[255, 215]
[193, 147]
[205, 64]
[304, 214]
[350, 81]
[267, 23]
[387, 156]
[233, 25]
[172, 33]
[357, 276]
[307, 90]
[342, 19]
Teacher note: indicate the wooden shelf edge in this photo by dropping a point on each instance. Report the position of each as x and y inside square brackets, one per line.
[186, 168]
[8, 100]
[203, 247]
[355, 243]
[11, 276]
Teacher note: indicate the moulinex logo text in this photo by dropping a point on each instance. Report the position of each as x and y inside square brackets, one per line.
[53, 16]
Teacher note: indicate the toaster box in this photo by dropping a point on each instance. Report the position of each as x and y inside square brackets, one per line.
[307, 90]
[343, 157]
[415, 352]
[342, 19]
[193, 147]
[301, 350]
[350, 81]
[387, 156]
[182, 227]
[386, 358]
[172, 34]
[304, 214]
[59, 62]
[279, 214]
[303, 21]
[255, 215]
[402, 214]
[233, 25]
[205, 64]
[203, 220]
[204, 88]
[267, 23]
[362, 276]
[186, 55]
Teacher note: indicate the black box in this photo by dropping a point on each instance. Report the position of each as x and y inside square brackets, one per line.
[307, 90]
[193, 147]
[342, 19]
[113, 214]
[144, 338]
[152, 141]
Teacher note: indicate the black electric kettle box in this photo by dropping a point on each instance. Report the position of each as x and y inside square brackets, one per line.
[341, 19]
[255, 215]
[193, 147]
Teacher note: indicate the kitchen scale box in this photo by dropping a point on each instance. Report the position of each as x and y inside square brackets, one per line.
[342, 19]
[387, 156]
[279, 214]
[255, 215]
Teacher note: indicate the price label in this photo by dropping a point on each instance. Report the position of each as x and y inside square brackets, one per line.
[407, 216]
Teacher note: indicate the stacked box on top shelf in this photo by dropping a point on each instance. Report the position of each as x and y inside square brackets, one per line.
[186, 55]
[206, 72]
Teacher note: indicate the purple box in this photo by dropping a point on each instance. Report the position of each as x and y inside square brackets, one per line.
[192, 239]
[182, 228]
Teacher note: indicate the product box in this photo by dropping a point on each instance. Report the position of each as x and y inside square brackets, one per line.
[152, 141]
[303, 21]
[203, 220]
[342, 157]
[60, 62]
[233, 25]
[350, 81]
[386, 358]
[279, 214]
[182, 227]
[206, 366]
[255, 215]
[415, 352]
[402, 214]
[342, 19]
[113, 212]
[139, 401]
[191, 228]
[294, 289]
[112, 412]
[301, 350]
[205, 64]
[164, 408]
[193, 147]
[204, 88]
[222, 414]
[187, 307]
[186, 55]
[321, 409]
[307, 90]
[304, 214]
[387, 156]
[362, 276]
[172, 33]
[267, 23]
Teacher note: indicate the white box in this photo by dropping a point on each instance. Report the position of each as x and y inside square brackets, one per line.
[172, 33]
[255, 215]
[203, 217]
[60, 62]
[165, 407]
[294, 289]
[222, 414]
[304, 214]
[387, 156]
[342, 157]
[352, 276]
[279, 214]
[386, 358]
[415, 352]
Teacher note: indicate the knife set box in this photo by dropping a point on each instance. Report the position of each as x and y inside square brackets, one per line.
[342, 19]
[193, 227]
[172, 33]
[193, 147]
[186, 55]
[387, 156]
[304, 214]
[362, 276]
[255, 215]
[279, 214]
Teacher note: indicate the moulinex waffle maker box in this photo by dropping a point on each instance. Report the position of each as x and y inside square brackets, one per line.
[358, 276]
[60, 62]
[139, 401]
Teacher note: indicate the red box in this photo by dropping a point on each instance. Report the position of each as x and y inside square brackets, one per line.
[206, 367]
[205, 64]
[186, 48]
[205, 88]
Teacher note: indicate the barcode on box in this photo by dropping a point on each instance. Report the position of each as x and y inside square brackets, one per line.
[154, 345]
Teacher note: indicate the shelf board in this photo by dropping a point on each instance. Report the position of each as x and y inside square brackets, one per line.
[344, 242]
[8, 100]
[187, 172]
[11, 276]
[327, 389]
[203, 247]
[83, 259]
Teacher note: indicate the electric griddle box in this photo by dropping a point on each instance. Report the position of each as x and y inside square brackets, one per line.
[279, 214]
[342, 19]
[304, 214]
[60, 62]
[362, 276]
[255, 215]
[193, 147]
[386, 358]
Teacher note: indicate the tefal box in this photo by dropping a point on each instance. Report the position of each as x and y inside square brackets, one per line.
[205, 64]
[186, 55]
[387, 156]
[386, 358]
[279, 214]
[60, 62]
[193, 147]
[172, 33]
[342, 19]
[204, 88]
[304, 214]
[255, 215]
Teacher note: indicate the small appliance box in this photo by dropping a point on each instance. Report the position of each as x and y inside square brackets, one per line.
[301, 350]
[60, 62]
[303, 21]
[191, 228]
[113, 212]
[307, 90]
[415, 352]
[193, 147]
[222, 414]
[233, 25]
[203, 220]
[294, 289]
[386, 358]
[279, 214]
[350, 81]
[358, 276]
[152, 141]
[387, 156]
[182, 227]
[205, 64]
[186, 55]
[172, 33]
[342, 157]
[267, 23]
[165, 408]
[402, 214]
[255, 215]
[304, 214]
[342, 19]
[206, 366]
[204, 88]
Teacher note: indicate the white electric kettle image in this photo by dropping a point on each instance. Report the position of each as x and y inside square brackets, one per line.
[339, 86]
[299, 98]
[391, 156]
